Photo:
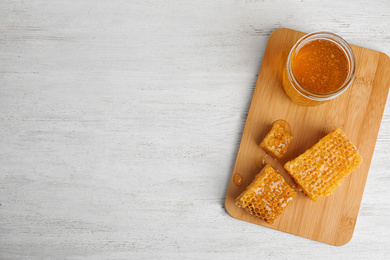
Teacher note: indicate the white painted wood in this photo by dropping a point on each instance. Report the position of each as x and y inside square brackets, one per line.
[120, 122]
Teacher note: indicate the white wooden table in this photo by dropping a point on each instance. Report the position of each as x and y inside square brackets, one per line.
[120, 122]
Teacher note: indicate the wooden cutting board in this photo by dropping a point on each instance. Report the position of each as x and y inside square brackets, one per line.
[358, 112]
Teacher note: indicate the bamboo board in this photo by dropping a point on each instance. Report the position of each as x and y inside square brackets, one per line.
[358, 112]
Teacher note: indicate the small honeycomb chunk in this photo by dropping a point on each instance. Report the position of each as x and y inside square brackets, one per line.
[322, 168]
[278, 139]
[267, 196]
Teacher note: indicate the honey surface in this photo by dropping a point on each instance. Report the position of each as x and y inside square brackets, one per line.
[320, 66]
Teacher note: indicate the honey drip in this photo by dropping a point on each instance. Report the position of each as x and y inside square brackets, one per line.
[237, 179]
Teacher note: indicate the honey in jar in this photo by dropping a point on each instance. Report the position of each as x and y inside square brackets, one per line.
[319, 67]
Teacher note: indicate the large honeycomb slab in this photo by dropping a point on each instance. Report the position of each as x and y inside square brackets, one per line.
[321, 169]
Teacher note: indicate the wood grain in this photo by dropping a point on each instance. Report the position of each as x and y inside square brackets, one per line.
[358, 112]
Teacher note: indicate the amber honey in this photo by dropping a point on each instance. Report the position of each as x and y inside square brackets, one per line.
[320, 67]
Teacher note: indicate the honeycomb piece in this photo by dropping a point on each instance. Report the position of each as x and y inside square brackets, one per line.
[322, 168]
[267, 196]
[278, 139]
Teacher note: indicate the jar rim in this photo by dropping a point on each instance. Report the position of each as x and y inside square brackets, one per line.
[342, 44]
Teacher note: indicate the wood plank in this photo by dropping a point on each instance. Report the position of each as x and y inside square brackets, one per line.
[358, 112]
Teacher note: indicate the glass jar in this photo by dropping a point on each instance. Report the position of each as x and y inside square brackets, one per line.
[319, 67]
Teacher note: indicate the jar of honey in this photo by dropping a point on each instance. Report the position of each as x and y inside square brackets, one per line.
[320, 67]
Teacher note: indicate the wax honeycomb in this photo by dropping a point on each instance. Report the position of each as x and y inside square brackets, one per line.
[277, 140]
[267, 196]
[322, 168]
